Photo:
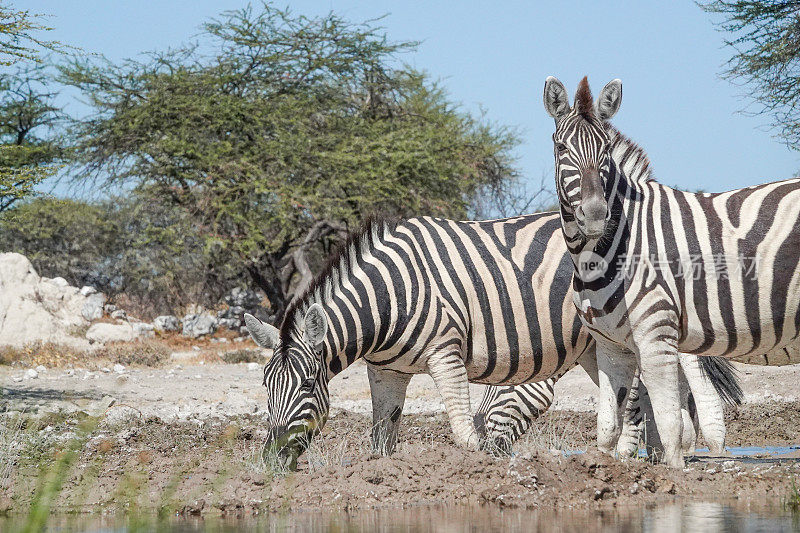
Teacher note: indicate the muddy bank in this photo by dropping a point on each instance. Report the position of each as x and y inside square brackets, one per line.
[214, 467]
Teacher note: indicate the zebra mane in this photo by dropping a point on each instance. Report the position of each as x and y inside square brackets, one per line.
[332, 273]
[631, 158]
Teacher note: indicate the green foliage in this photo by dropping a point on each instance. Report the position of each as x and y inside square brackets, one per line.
[148, 251]
[277, 133]
[765, 38]
[26, 110]
[65, 238]
[18, 36]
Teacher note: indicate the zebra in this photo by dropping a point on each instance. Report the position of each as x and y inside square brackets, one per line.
[506, 412]
[656, 268]
[485, 301]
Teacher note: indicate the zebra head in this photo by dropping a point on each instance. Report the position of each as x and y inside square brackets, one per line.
[582, 151]
[296, 382]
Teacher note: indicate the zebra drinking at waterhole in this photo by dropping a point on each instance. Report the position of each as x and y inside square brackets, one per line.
[660, 271]
[487, 302]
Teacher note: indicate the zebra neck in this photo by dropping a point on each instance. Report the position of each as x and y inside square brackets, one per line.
[353, 323]
[596, 261]
[345, 341]
[366, 293]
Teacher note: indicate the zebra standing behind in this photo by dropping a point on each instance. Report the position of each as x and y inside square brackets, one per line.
[660, 271]
[487, 302]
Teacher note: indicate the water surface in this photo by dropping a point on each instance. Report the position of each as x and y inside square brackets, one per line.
[684, 516]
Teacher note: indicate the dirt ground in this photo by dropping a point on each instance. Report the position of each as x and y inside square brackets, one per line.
[186, 438]
[149, 465]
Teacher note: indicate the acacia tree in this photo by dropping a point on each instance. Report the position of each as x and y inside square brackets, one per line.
[765, 38]
[27, 144]
[19, 36]
[25, 105]
[277, 133]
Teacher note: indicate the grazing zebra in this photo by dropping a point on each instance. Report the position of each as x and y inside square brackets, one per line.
[660, 271]
[487, 302]
[506, 412]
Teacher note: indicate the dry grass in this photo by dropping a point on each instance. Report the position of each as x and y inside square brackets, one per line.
[243, 355]
[48, 354]
[554, 431]
[152, 352]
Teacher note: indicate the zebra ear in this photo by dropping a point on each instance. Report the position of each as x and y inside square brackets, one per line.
[265, 335]
[316, 325]
[556, 101]
[609, 100]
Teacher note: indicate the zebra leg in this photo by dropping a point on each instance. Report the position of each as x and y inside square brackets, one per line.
[616, 368]
[450, 375]
[628, 443]
[639, 422]
[659, 364]
[388, 392]
[635, 407]
[708, 404]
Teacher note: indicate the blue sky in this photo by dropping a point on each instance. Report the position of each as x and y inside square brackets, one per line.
[495, 56]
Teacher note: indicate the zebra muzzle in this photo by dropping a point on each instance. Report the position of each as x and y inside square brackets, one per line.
[284, 445]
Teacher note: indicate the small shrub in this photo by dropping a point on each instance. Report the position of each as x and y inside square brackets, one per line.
[145, 353]
[243, 356]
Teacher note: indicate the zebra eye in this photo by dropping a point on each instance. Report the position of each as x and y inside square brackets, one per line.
[308, 383]
[561, 148]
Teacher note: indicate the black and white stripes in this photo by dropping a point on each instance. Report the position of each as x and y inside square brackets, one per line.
[487, 302]
[661, 271]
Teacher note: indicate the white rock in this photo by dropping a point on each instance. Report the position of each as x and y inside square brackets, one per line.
[119, 314]
[167, 323]
[105, 370]
[86, 290]
[103, 332]
[31, 374]
[41, 368]
[16, 379]
[143, 329]
[253, 366]
[34, 309]
[93, 308]
[119, 369]
[199, 324]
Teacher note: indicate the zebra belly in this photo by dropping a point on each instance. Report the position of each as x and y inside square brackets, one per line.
[786, 355]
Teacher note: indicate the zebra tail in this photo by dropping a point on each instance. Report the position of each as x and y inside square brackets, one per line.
[724, 377]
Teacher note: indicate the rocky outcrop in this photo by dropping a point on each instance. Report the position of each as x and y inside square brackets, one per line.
[93, 308]
[199, 324]
[167, 323]
[36, 309]
[241, 301]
